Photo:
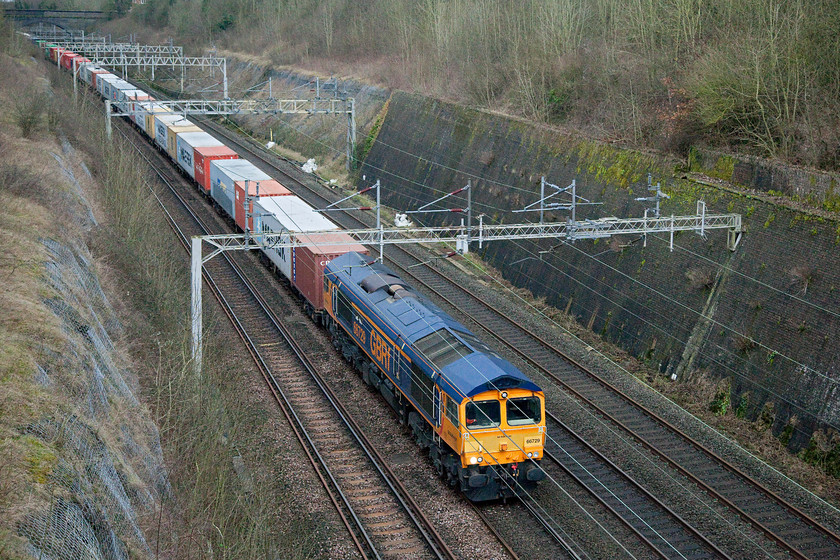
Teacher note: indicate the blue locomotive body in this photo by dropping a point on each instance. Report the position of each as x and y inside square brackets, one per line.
[446, 384]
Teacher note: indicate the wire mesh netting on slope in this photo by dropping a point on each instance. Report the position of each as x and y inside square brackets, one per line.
[101, 468]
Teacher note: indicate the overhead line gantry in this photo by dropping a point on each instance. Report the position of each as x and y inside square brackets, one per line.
[267, 106]
[102, 49]
[461, 236]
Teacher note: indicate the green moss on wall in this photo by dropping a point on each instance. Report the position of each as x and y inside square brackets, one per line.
[363, 150]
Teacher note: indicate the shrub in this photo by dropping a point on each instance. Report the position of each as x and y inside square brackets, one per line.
[720, 404]
[744, 344]
[28, 112]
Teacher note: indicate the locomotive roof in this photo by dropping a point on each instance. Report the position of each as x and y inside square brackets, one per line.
[414, 317]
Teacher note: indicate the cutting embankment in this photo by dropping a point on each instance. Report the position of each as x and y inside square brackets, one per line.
[757, 324]
[748, 334]
[109, 446]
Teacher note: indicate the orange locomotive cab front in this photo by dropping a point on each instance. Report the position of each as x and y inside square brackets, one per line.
[502, 431]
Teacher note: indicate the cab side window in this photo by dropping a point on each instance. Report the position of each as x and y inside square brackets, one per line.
[344, 311]
[452, 411]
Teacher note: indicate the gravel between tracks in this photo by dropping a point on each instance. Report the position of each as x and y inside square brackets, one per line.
[733, 535]
[463, 530]
[728, 530]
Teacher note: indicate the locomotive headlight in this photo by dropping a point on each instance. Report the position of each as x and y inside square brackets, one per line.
[480, 459]
[504, 394]
[530, 454]
[536, 454]
[473, 460]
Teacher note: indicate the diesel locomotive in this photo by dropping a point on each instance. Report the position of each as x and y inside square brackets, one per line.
[480, 418]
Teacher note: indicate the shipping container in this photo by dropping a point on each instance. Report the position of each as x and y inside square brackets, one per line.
[308, 262]
[92, 73]
[67, 59]
[162, 120]
[118, 87]
[172, 132]
[103, 84]
[185, 144]
[149, 112]
[81, 62]
[223, 176]
[287, 215]
[203, 156]
[55, 53]
[131, 100]
[255, 188]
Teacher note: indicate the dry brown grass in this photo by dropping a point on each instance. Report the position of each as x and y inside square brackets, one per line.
[32, 188]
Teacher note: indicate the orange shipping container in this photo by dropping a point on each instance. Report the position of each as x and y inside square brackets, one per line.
[67, 60]
[202, 156]
[93, 75]
[267, 188]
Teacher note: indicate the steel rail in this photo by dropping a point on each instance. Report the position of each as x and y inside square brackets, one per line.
[508, 548]
[317, 462]
[544, 522]
[638, 487]
[435, 541]
[773, 536]
[757, 485]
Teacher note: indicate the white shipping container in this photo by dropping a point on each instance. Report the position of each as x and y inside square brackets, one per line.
[287, 215]
[86, 72]
[161, 121]
[186, 142]
[103, 82]
[118, 87]
[110, 86]
[126, 105]
[224, 173]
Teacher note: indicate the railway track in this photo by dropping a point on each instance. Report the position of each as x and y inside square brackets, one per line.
[793, 530]
[545, 522]
[382, 518]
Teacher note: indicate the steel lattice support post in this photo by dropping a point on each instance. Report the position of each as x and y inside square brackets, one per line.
[224, 79]
[108, 118]
[195, 285]
[469, 213]
[351, 132]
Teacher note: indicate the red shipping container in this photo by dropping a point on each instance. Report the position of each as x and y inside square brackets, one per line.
[202, 156]
[67, 60]
[308, 262]
[79, 61]
[55, 53]
[132, 101]
[267, 188]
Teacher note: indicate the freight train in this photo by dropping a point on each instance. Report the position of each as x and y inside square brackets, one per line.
[480, 418]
